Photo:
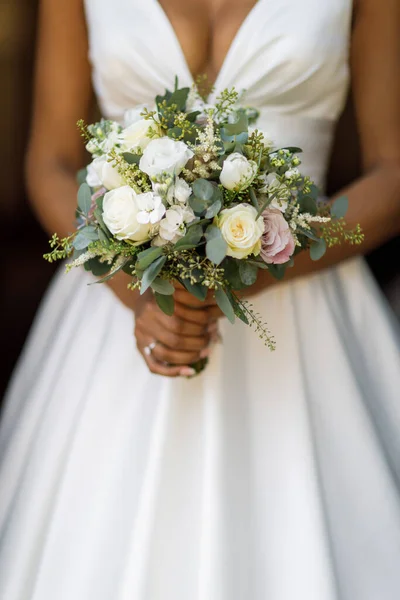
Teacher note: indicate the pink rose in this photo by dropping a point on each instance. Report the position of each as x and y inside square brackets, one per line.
[277, 243]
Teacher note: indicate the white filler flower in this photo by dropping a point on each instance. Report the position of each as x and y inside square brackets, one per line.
[151, 208]
[173, 226]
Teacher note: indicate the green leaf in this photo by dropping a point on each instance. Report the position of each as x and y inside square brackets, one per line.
[85, 236]
[166, 303]
[253, 198]
[213, 210]
[191, 239]
[96, 267]
[84, 198]
[292, 149]
[81, 176]
[198, 290]
[260, 264]
[225, 304]
[232, 275]
[248, 272]
[237, 306]
[203, 189]
[216, 246]
[174, 132]
[191, 117]
[317, 249]
[151, 273]
[307, 205]
[179, 97]
[146, 257]
[162, 286]
[130, 158]
[339, 207]
[277, 271]
[129, 266]
[112, 272]
[240, 125]
[310, 233]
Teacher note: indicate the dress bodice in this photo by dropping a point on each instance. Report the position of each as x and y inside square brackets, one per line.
[291, 58]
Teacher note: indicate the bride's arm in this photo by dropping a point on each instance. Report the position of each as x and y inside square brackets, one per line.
[374, 199]
[63, 94]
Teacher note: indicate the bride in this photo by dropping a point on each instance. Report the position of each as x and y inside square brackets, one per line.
[271, 476]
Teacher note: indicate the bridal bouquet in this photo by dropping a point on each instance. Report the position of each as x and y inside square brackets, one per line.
[190, 192]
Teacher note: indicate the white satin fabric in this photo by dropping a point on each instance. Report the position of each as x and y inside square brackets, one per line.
[272, 476]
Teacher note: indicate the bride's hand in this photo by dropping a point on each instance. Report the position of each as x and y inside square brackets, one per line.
[170, 344]
[209, 304]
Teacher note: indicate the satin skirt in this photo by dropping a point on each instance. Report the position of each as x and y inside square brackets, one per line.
[271, 476]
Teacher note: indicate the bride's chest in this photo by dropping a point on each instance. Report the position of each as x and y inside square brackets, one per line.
[277, 47]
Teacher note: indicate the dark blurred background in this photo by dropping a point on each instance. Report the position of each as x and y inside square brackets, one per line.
[25, 274]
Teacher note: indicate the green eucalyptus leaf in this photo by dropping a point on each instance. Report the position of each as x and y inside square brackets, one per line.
[166, 303]
[213, 210]
[162, 286]
[84, 198]
[198, 290]
[216, 246]
[174, 132]
[112, 272]
[277, 271]
[307, 205]
[339, 207]
[179, 97]
[131, 158]
[203, 189]
[96, 267]
[191, 117]
[317, 249]
[198, 206]
[81, 176]
[232, 275]
[225, 304]
[191, 239]
[151, 273]
[84, 237]
[248, 272]
[146, 257]
[240, 125]
[310, 233]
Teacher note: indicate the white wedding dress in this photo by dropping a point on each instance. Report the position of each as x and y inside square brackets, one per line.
[272, 476]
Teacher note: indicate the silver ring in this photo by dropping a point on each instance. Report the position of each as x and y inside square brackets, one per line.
[149, 349]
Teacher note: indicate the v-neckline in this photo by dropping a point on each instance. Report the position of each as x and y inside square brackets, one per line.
[217, 83]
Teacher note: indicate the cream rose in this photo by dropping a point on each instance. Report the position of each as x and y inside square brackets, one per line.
[164, 156]
[241, 229]
[120, 212]
[237, 172]
[106, 173]
[135, 136]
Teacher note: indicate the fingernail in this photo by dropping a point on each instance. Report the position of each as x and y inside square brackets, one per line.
[205, 352]
[187, 372]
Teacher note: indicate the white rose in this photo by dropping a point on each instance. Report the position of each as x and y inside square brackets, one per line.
[135, 136]
[173, 226]
[120, 211]
[279, 190]
[241, 230]
[180, 191]
[133, 115]
[164, 156]
[107, 173]
[151, 208]
[237, 172]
